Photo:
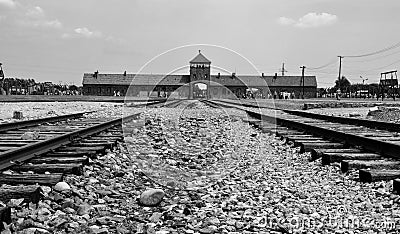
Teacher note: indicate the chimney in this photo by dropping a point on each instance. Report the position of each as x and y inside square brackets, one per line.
[262, 74]
[124, 73]
[233, 74]
[219, 75]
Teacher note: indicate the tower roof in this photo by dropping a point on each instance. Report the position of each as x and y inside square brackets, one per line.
[200, 58]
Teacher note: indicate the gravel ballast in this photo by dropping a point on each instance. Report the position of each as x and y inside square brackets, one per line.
[258, 185]
[34, 110]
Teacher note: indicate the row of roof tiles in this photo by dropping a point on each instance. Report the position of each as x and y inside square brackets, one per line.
[227, 80]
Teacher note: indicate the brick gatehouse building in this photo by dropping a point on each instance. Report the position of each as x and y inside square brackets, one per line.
[186, 86]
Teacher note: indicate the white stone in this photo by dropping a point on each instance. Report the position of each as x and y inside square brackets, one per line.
[151, 197]
[43, 211]
[16, 202]
[93, 181]
[375, 108]
[30, 136]
[46, 189]
[62, 186]
[165, 232]
[34, 230]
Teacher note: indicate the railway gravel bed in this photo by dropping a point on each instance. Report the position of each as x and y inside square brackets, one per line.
[308, 104]
[271, 188]
[380, 113]
[32, 110]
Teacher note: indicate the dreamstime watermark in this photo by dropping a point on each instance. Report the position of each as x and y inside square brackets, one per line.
[301, 223]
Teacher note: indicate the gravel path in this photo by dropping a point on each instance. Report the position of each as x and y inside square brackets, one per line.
[269, 187]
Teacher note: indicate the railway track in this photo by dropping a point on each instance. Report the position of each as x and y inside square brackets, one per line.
[371, 147]
[42, 151]
[276, 183]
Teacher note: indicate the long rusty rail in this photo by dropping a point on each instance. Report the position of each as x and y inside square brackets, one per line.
[34, 122]
[21, 154]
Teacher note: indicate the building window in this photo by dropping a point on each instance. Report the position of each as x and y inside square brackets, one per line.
[108, 90]
[205, 76]
[89, 90]
[99, 90]
[194, 76]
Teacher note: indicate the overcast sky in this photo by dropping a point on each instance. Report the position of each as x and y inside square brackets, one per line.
[60, 40]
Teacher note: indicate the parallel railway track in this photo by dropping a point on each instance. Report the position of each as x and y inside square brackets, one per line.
[55, 146]
[372, 147]
[333, 140]
[60, 139]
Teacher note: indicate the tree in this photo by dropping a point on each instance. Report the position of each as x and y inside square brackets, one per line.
[373, 88]
[73, 88]
[322, 91]
[343, 83]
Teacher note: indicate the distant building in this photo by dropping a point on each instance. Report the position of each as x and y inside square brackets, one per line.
[183, 86]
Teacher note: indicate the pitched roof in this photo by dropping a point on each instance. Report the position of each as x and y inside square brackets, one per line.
[226, 80]
[200, 58]
[280, 81]
[135, 79]
[238, 80]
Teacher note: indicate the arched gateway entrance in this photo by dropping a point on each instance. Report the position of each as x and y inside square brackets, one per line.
[200, 91]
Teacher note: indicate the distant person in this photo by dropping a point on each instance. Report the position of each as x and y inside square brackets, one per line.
[392, 94]
[338, 94]
[380, 92]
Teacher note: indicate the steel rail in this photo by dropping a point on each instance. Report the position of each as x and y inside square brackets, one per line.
[393, 127]
[165, 103]
[384, 148]
[154, 102]
[172, 103]
[29, 123]
[11, 157]
[150, 103]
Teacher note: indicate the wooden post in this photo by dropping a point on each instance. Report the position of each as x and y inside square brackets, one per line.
[5, 216]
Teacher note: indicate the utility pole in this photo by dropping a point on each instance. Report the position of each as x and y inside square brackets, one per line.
[283, 69]
[302, 79]
[363, 79]
[340, 70]
[2, 79]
